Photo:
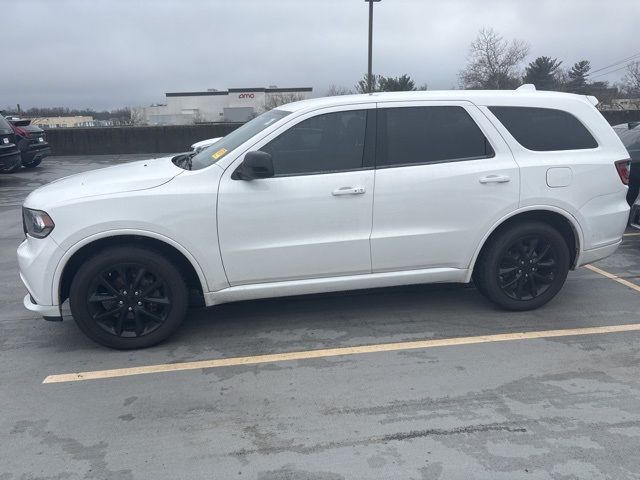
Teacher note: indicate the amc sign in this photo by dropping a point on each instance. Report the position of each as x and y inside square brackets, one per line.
[246, 95]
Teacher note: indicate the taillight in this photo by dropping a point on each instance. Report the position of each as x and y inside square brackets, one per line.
[624, 167]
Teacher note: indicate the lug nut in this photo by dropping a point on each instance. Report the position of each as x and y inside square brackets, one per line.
[124, 293]
[120, 302]
[140, 303]
[130, 308]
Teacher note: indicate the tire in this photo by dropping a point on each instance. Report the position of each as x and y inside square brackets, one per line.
[112, 313]
[11, 169]
[523, 267]
[32, 164]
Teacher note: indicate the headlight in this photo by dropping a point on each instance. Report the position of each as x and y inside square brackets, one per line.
[36, 223]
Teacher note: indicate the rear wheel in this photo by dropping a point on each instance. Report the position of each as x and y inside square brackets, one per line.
[34, 163]
[11, 169]
[127, 297]
[523, 267]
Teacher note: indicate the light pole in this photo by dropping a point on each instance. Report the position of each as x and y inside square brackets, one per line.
[369, 74]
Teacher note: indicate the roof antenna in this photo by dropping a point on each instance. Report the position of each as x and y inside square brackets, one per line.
[526, 87]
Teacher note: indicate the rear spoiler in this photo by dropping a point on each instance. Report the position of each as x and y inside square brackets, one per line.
[20, 123]
[592, 100]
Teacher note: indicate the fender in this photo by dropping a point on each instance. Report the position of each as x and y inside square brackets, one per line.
[549, 208]
[62, 263]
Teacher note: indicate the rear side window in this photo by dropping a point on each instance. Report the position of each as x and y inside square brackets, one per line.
[544, 129]
[418, 135]
[330, 142]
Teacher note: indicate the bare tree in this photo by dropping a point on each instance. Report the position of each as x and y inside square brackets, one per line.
[494, 63]
[273, 100]
[137, 116]
[631, 79]
[335, 91]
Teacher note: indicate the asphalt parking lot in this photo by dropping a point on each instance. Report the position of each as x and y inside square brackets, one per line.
[563, 406]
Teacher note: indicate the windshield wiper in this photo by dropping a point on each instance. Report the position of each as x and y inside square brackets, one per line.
[185, 160]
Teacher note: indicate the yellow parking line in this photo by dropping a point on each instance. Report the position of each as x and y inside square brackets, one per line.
[613, 277]
[335, 352]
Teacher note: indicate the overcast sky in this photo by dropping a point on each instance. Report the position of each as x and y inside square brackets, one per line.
[112, 53]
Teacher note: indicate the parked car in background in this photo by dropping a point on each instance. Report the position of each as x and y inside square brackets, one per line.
[629, 133]
[9, 151]
[634, 217]
[201, 145]
[510, 189]
[32, 142]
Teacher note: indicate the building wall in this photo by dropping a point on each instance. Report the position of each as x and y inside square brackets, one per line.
[187, 108]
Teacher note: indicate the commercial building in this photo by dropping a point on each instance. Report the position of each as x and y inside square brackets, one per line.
[232, 105]
[63, 122]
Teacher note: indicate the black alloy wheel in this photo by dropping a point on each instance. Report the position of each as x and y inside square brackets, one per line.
[128, 300]
[523, 266]
[527, 268]
[128, 297]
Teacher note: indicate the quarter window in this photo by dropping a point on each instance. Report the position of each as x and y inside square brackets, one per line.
[418, 135]
[330, 142]
[544, 129]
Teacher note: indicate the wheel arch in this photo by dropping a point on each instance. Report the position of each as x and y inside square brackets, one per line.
[562, 220]
[74, 257]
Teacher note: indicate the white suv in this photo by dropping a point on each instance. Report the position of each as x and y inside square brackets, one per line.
[510, 189]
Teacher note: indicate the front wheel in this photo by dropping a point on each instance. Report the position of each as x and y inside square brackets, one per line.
[523, 267]
[128, 297]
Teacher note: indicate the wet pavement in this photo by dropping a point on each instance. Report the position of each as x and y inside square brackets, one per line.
[559, 408]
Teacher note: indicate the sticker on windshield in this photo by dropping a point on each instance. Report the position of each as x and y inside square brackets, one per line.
[219, 153]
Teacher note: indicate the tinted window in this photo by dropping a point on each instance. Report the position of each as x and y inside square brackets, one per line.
[544, 129]
[325, 143]
[413, 135]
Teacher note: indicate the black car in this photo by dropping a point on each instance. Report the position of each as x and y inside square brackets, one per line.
[32, 142]
[629, 133]
[9, 151]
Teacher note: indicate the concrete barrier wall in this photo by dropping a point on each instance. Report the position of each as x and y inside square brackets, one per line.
[176, 138]
[117, 140]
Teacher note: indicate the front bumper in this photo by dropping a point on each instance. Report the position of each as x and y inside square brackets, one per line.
[49, 312]
[38, 260]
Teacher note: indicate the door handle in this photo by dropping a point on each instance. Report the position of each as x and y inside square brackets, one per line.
[348, 191]
[495, 179]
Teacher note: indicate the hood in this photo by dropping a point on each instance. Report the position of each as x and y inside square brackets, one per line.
[128, 177]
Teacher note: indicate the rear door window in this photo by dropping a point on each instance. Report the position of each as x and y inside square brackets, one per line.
[544, 129]
[431, 134]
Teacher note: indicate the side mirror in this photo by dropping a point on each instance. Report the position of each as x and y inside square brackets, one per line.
[256, 164]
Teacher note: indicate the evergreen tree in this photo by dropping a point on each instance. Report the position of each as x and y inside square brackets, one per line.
[578, 76]
[542, 73]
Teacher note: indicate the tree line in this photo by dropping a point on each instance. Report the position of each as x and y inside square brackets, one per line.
[495, 63]
[122, 115]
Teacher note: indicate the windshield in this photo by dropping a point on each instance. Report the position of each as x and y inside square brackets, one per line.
[226, 145]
